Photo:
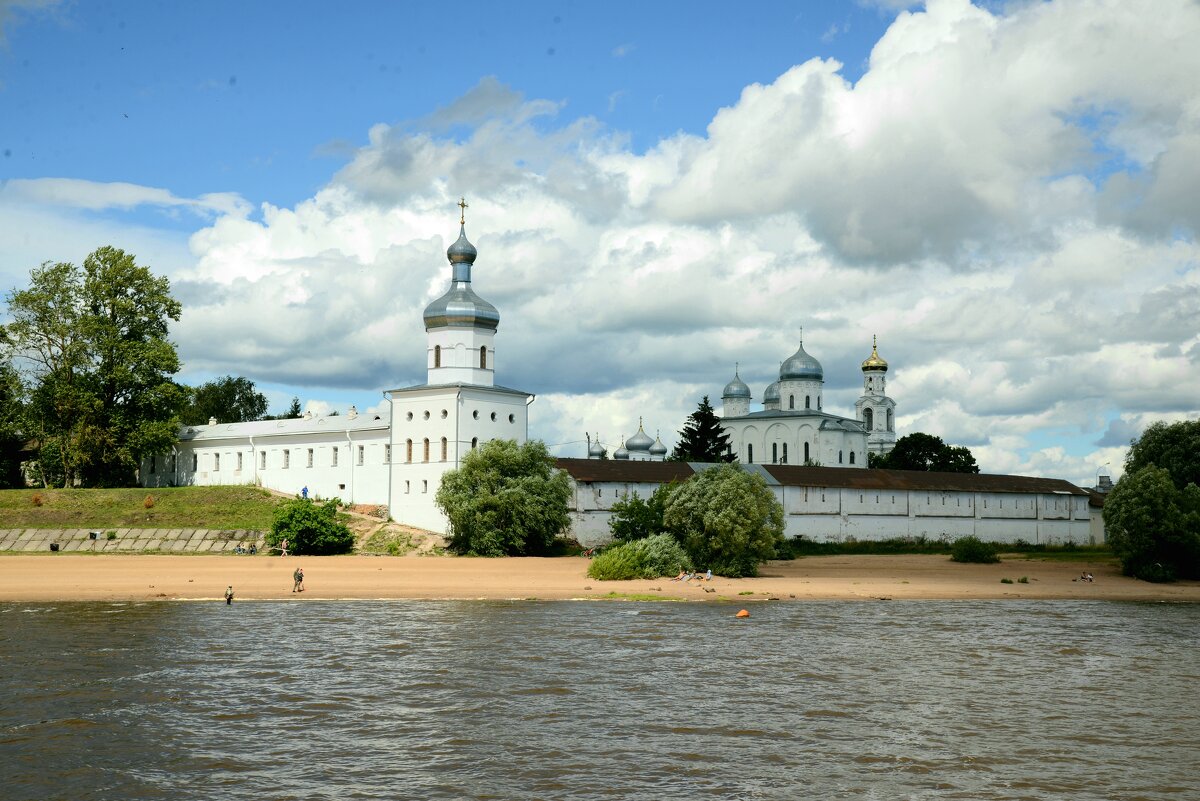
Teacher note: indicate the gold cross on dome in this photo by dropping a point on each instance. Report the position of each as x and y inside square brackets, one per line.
[462, 204]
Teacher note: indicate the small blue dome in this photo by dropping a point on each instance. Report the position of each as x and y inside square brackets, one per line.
[640, 441]
[462, 250]
[771, 393]
[801, 366]
[736, 388]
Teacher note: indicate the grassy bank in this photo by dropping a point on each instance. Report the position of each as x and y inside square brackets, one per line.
[175, 507]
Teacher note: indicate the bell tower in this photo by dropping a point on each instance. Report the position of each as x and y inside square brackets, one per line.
[875, 410]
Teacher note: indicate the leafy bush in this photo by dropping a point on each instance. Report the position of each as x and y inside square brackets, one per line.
[634, 519]
[647, 558]
[1154, 527]
[973, 549]
[726, 519]
[505, 500]
[310, 528]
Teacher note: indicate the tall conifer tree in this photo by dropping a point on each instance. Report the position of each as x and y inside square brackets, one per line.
[702, 438]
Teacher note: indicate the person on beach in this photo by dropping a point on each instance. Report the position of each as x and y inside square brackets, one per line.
[297, 580]
[304, 493]
[283, 548]
[229, 595]
[681, 575]
[253, 549]
[301, 579]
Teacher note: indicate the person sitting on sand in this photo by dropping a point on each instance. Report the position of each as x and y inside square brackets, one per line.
[253, 549]
[708, 575]
[682, 574]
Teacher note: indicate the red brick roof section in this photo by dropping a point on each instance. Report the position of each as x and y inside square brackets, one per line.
[865, 479]
[623, 471]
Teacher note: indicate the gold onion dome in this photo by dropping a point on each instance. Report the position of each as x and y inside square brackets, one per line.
[874, 361]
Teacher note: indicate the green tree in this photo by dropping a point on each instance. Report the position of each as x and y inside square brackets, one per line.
[505, 500]
[311, 529]
[1153, 527]
[926, 452]
[632, 518]
[702, 438]
[12, 438]
[1175, 447]
[293, 412]
[91, 345]
[228, 399]
[727, 520]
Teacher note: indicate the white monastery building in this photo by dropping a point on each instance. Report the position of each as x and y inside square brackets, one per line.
[395, 458]
[398, 456]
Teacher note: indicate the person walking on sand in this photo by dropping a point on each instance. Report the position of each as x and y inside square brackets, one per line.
[297, 580]
[229, 595]
[301, 572]
[283, 548]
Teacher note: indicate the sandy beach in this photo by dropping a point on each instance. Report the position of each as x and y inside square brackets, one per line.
[69, 577]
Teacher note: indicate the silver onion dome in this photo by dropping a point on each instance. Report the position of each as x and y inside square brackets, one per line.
[596, 450]
[640, 441]
[460, 307]
[800, 365]
[736, 388]
[621, 453]
[771, 393]
[658, 449]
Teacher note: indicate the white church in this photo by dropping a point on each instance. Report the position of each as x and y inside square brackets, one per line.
[397, 457]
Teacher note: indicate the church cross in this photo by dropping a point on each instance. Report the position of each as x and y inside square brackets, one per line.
[462, 204]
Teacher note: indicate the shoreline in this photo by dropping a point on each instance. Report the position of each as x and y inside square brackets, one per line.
[203, 578]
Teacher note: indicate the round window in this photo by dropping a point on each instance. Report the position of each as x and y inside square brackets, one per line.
[512, 418]
[426, 414]
[475, 414]
[444, 414]
[410, 415]
[493, 417]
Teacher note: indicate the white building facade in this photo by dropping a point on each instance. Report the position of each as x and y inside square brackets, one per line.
[825, 504]
[395, 458]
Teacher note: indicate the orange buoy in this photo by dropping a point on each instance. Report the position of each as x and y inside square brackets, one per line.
[742, 613]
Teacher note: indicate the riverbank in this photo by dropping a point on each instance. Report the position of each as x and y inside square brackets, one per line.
[79, 577]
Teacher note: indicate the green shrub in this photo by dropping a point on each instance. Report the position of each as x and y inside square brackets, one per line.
[1023, 580]
[973, 549]
[634, 519]
[310, 528]
[1006, 581]
[647, 558]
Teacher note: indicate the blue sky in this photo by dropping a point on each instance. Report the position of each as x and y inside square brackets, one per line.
[1004, 193]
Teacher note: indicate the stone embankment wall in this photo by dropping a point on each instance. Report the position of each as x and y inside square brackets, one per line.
[129, 540]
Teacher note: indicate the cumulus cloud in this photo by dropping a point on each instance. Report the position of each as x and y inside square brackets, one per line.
[96, 196]
[1002, 197]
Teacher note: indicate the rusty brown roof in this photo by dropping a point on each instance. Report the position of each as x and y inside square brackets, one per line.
[625, 471]
[863, 478]
[613, 470]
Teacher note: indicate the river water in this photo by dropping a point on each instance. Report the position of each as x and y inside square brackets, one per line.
[568, 700]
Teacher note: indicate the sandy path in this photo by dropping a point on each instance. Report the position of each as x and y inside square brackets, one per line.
[129, 577]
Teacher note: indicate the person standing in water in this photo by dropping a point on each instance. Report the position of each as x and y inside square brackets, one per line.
[229, 595]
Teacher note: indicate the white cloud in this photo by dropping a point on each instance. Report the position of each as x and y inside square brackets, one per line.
[1026, 290]
[95, 196]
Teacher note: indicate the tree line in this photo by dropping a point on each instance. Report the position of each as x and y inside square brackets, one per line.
[87, 387]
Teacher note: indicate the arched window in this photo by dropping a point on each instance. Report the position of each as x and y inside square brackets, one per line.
[408, 456]
[483, 357]
[889, 428]
[808, 401]
[474, 443]
[749, 454]
[446, 450]
[791, 401]
[869, 419]
[851, 457]
[437, 355]
[774, 453]
[806, 459]
[785, 453]
[839, 457]
[426, 449]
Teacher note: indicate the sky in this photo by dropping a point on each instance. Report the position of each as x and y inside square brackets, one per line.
[1003, 193]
